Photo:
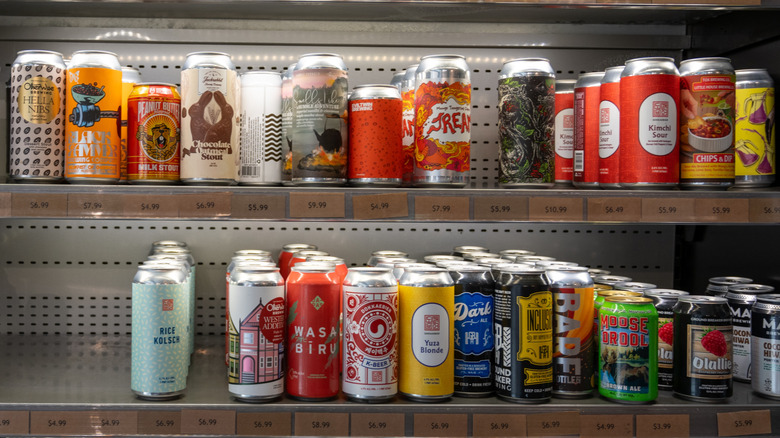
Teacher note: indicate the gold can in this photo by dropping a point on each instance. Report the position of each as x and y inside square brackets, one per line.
[153, 141]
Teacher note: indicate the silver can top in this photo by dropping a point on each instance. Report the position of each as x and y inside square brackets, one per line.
[434, 258]
[654, 65]
[527, 67]
[159, 274]
[634, 286]
[370, 277]
[131, 75]
[713, 65]
[320, 60]
[94, 58]
[426, 277]
[565, 86]
[748, 292]
[510, 254]
[293, 247]
[46, 57]
[208, 60]
[409, 78]
[587, 80]
[533, 259]
[610, 280]
[670, 294]
[701, 299]
[375, 91]
[612, 75]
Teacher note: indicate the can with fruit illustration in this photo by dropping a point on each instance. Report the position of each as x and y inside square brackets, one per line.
[754, 133]
[765, 345]
[741, 298]
[664, 300]
[564, 131]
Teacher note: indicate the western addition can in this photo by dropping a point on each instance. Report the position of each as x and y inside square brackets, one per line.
[526, 124]
[426, 327]
[628, 362]
[719, 286]
[587, 92]
[754, 133]
[702, 349]
[649, 139]
[664, 301]
[287, 120]
[92, 104]
[256, 324]
[609, 129]
[407, 140]
[320, 131]
[261, 128]
[523, 327]
[130, 77]
[765, 346]
[37, 118]
[741, 298]
[442, 131]
[370, 361]
[707, 110]
[154, 110]
[210, 131]
[564, 131]
[375, 150]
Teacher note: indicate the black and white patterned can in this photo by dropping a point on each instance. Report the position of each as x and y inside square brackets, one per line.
[261, 128]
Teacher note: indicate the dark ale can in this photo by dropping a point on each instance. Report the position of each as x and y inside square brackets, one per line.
[587, 92]
[765, 346]
[609, 129]
[153, 120]
[287, 120]
[719, 286]
[741, 298]
[564, 131]
[665, 300]
[754, 141]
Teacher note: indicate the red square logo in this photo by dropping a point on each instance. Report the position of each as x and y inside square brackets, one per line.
[167, 305]
[568, 122]
[431, 323]
[376, 376]
[604, 115]
[661, 109]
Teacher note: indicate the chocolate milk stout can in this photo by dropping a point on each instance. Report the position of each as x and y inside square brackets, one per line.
[37, 128]
[261, 128]
[587, 92]
[407, 141]
[319, 131]
[210, 131]
[153, 145]
[287, 119]
[442, 131]
[564, 131]
[764, 346]
[754, 135]
[741, 298]
[664, 301]
[609, 129]
[130, 77]
[92, 104]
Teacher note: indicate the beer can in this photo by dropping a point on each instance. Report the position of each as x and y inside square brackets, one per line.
[765, 344]
[598, 300]
[426, 327]
[664, 301]
[302, 255]
[702, 349]
[184, 254]
[370, 360]
[399, 268]
[497, 268]
[649, 136]
[754, 132]
[460, 251]
[261, 128]
[407, 140]
[474, 256]
[741, 298]
[376, 255]
[523, 327]
[511, 254]
[442, 131]
[93, 101]
[320, 131]
[313, 293]
[167, 244]
[707, 113]
[397, 79]
[159, 345]
[526, 124]
[634, 286]
[628, 362]
[610, 280]
[256, 323]
[533, 259]
[286, 254]
[595, 271]
[210, 131]
[154, 110]
[609, 129]
[587, 92]
[434, 258]
[130, 77]
[254, 252]
[564, 131]
[287, 120]
[719, 286]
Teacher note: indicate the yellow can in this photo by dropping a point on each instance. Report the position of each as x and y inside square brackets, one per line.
[754, 133]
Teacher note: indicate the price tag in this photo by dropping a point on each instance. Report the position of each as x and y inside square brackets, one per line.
[614, 209]
[5, 204]
[316, 204]
[39, 205]
[667, 210]
[159, 423]
[264, 423]
[744, 423]
[722, 210]
[14, 422]
[596, 426]
[441, 208]
[555, 209]
[204, 205]
[150, 205]
[762, 210]
[663, 426]
[94, 205]
[208, 422]
[388, 205]
[433, 425]
[321, 424]
[489, 425]
[500, 208]
[377, 424]
[53, 423]
[114, 422]
[259, 207]
[554, 424]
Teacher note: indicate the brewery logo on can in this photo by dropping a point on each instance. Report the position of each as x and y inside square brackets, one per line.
[587, 92]
[754, 139]
[261, 128]
[765, 346]
[153, 121]
[609, 129]
[564, 131]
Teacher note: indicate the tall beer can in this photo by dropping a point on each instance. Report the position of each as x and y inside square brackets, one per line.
[37, 118]
[130, 77]
[741, 298]
[426, 326]
[153, 122]
[587, 92]
[93, 101]
[442, 131]
[664, 301]
[407, 141]
[609, 129]
[370, 361]
[261, 128]
[526, 124]
[397, 79]
[186, 255]
[755, 129]
[287, 119]
[764, 344]
[286, 255]
[564, 131]
[210, 99]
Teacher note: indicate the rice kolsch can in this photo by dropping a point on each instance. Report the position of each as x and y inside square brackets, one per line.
[37, 127]
[609, 129]
[210, 131]
[754, 140]
[765, 346]
[407, 142]
[93, 104]
[702, 349]
[664, 301]
[442, 131]
[320, 131]
[426, 327]
[564, 131]
[375, 151]
[287, 119]
[153, 145]
[526, 124]
[370, 361]
[707, 110]
[741, 298]
[256, 324]
[261, 128]
[587, 92]
[523, 324]
[130, 77]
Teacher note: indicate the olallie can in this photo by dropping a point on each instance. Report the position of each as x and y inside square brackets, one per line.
[664, 301]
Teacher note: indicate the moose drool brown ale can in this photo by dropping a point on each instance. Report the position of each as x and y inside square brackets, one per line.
[664, 301]
[587, 92]
[609, 129]
[765, 346]
[407, 141]
[153, 122]
[564, 131]
[754, 140]
[261, 128]
[741, 298]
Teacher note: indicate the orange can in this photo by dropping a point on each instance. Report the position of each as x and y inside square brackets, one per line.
[154, 112]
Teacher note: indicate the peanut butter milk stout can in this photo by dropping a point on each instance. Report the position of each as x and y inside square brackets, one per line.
[755, 129]
[261, 128]
[564, 131]
[130, 77]
[210, 130]
[587, 92]
[153, 143]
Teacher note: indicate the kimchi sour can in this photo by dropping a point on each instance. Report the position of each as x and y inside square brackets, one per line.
[564, 131]
[153, 141]
[609, 129]
[587, 92]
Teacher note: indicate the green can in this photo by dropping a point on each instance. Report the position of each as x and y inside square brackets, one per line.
[628, 359]
[598, 301]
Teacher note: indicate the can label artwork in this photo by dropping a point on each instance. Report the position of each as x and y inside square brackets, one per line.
[740, 317]
[755, 132]
[375, 139]
[575, 352]
[627, 363]
[261, 135]
[287, 121]
[586, 134]
[473, 342]
[665, 349]
[609, 134]
[765, 350]
[443, 126]
[564, 137]
[153, 148]
[407, 139]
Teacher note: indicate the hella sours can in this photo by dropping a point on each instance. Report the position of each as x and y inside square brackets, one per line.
[407, 131]
[609, 129]
[288, 104]
[719, 286]
[261, 128]
[765, 346]
[754, 131]
[154, 110]
[130, 77]
[564, 131]
[664, 301]
[741, 298]
[587, 92]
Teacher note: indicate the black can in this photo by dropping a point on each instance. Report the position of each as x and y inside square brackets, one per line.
[741, 298]
[523, 320]
[719, 286]
[664, 300]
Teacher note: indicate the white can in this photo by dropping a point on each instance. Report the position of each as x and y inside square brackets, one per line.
[261, 128]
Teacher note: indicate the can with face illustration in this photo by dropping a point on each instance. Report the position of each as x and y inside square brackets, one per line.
[153, 120]
[754, 131]
[130, 77]
[287, 119]
[609, 129]
[564, 131]
[587, 92]
[261, 128]
[664, 301]
[407, 140]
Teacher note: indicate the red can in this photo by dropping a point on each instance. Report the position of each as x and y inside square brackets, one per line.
[564, 131]
[587, 97]
[302, 255]
[313, 291]
[153, 120]
[609, 129]
[287, 253]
